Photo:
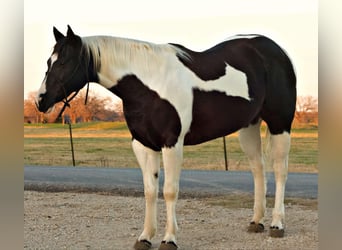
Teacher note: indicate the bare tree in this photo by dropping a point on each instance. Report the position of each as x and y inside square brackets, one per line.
[118, 107]
[94, 109]
[31, 113]
[307, 104]
[307, 109]
[97, 108]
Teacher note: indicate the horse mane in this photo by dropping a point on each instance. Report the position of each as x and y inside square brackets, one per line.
[108, 50]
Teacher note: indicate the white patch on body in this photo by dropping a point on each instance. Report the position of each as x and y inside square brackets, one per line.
[251, 36]
[233, 83]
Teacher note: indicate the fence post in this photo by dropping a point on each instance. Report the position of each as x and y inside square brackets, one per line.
[225, 153]
[72, 144]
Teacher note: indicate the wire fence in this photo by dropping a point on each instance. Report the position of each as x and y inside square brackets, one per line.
[116, 152]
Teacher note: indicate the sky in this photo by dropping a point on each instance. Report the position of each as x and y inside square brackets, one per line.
[198, 25]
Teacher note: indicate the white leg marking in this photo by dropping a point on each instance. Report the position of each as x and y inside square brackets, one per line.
[280, 147]
[250, 142]
[149, 162]
[172, 159]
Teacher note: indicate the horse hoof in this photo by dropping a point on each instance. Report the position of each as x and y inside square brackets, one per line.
[255, 228]
[275, 232]
[167, 245]
[142, 245]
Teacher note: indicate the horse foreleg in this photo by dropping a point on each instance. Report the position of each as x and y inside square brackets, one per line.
[280, 146]
[172, 159]
[149, 162]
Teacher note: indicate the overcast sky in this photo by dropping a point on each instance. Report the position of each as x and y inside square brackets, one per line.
[198, 25]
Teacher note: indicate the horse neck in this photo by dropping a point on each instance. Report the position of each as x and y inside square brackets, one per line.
[119, 57]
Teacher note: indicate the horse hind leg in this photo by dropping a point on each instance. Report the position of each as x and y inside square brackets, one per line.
[280, 147]
[250, 142]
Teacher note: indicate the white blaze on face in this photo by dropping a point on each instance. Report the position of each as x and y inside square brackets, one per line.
[53, 59]
[42, 89]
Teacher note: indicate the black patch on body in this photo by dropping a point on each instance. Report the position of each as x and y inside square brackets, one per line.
[271, 83]
[215, 114]
[152, 120]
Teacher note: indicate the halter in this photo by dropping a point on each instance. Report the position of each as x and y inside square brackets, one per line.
[67, 101]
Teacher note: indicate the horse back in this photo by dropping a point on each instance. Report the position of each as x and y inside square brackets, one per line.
[271, 88]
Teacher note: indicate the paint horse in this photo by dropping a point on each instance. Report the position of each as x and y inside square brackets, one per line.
[173, 96]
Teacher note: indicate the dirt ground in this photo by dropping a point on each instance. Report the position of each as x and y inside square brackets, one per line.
[97, 221]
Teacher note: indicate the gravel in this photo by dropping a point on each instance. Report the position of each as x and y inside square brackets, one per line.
[97, 221]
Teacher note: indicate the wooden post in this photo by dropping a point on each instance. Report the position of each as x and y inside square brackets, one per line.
[72, 145]
[225, 153]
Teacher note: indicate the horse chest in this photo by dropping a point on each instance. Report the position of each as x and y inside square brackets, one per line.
[152, 120]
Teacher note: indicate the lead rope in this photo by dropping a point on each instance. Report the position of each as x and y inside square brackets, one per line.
[67, 104]
[86, 97]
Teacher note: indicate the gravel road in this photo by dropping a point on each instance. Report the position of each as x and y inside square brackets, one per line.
[67, 220]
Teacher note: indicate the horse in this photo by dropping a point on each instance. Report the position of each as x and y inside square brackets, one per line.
[173, 97]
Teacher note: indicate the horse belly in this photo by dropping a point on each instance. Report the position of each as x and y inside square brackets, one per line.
[214, 114]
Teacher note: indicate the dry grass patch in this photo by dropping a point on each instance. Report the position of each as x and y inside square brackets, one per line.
[246, 201]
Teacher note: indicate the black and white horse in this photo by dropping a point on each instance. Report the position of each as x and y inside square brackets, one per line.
[173, 96]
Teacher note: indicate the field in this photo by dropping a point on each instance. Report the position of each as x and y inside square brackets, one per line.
[62, 221]
[108, 144]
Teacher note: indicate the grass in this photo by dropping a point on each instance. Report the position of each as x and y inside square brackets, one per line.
[247, 201]
[108, 144]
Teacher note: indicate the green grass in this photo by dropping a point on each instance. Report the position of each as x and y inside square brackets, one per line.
[108, 144]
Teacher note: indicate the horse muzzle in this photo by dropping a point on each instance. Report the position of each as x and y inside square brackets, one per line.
[43, 105]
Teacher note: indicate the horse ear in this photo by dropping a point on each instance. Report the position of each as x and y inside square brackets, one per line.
[70, 33]
[58, 35]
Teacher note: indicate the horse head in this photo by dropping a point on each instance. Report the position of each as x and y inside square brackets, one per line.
[67, 70]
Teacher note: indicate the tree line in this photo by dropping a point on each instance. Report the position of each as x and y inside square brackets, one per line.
[100, 108]
[307, 110]
[97, 108]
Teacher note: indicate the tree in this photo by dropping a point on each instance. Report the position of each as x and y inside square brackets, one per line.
[307, 104]
[95, 109]
[307, 109]
[31, 113]
[98, 108]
